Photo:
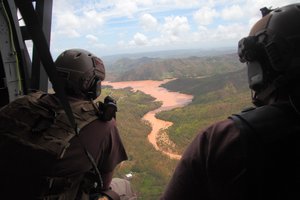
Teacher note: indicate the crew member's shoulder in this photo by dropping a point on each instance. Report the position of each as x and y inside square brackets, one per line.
[225, 130]
[102, 126]
[268, 115]
[221, 126]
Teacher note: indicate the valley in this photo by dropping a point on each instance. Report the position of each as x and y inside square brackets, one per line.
[169, 100]
[156, 128]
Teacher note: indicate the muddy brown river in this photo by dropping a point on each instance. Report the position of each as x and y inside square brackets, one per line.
[169, 101]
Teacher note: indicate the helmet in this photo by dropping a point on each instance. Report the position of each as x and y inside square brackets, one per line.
[272, 49]
[82, 72]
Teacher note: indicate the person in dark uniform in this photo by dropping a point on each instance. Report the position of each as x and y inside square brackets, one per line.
[254, 154]
[50, 161]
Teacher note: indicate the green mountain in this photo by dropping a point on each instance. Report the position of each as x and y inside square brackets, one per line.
[199, 87]
[158, 69]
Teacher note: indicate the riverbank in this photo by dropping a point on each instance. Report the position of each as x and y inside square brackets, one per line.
[169, 101]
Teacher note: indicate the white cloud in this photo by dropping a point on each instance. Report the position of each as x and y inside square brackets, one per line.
[91, 38]
[174, 30]
[186, 3]
[222, 35]
[231, 13]
[92, 19]
[67, 23]
[145, 2]
[205, 15]
[167, 22]
[127, 8]
[148, 22]
[273, 3]
[231, 31]
[71, 23]
[70, 33]
[139, 39]
[174, 27]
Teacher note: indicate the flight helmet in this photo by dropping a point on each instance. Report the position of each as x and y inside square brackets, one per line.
[82, 72]
[272, 50]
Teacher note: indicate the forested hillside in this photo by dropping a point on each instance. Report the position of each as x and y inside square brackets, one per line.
[158, 69]
[199, 87]
[215, 98]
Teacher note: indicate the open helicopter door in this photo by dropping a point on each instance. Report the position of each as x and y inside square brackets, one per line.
[21, 70]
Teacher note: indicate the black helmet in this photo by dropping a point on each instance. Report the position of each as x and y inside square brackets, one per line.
[82, 72]
[272, 49]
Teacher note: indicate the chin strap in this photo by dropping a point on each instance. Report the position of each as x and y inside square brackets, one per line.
[294, 105]
[261, 98]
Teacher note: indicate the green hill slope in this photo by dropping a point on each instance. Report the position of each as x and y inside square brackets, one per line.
[215, 98]
[158, 69]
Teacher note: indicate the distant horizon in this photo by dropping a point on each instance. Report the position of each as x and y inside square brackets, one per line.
[133, 26]
[172, 52]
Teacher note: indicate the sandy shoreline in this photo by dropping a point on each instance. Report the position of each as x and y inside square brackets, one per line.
[169, 101]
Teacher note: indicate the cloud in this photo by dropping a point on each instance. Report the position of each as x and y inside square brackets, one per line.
[139, 39]
[231, 13]
[173, 31]
[91, 19]
[175, 27]
[231, 31]
[127, 8]
[148, 22]
[139, 24]
[273, 3]
[145, 2]
[73, 23]
[67, 24]
[205, 15]
[91, 38]
[70, 33]
[185, 3]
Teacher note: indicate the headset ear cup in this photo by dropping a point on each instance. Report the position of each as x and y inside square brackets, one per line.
[98, 88]
[278, 59]
[255, 75]
[95, 90]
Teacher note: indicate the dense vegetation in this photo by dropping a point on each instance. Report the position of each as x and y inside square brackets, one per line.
[215, 98]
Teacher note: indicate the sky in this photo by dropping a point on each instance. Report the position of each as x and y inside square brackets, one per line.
[108, 27]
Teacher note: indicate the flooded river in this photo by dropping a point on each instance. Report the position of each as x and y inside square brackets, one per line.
[169, 101]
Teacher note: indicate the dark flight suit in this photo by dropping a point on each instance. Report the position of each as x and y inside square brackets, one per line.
[21, 170]
[225, 161]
